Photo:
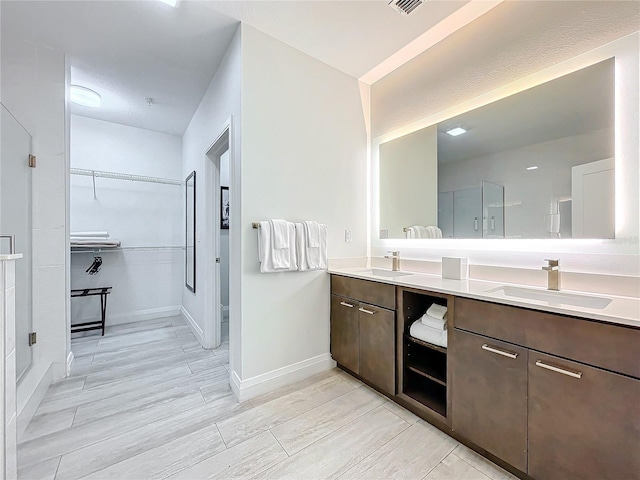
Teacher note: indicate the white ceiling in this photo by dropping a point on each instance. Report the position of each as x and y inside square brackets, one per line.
[130, 50]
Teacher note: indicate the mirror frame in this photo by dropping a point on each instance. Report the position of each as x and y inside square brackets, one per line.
[190, 283]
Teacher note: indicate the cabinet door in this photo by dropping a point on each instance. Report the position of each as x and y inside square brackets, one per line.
[583, 422]
[345, 332]
[378, 347]
[489, 395]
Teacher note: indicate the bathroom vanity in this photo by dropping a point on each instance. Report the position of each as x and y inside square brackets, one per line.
[547, 391]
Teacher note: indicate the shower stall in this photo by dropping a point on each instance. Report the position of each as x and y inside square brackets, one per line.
[16, 220]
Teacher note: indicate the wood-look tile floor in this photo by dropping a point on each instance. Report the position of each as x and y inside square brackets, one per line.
[147, 402]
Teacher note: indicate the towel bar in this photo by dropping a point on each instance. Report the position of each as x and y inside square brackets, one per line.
[255, 225]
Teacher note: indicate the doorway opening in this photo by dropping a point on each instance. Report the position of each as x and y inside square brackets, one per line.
[217, 184]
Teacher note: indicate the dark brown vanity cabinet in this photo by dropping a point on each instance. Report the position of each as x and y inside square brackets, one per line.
[345, 332]
[532, 405]
[363, 327]
[584, 422]
[489, 404]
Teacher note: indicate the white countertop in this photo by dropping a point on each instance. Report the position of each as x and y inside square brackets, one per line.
[15, 256]
[621, 310]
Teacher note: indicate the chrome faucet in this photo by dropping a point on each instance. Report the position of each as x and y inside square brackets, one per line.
[395, 261]
[553, 274]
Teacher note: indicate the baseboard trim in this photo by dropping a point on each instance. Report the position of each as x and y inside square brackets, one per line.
[137, 315]
[252, 387]
[195, 328]
[31, 391]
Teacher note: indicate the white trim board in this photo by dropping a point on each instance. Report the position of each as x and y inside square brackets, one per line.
[195, 328]
[252, 387]
[31, 390]
[136, 315]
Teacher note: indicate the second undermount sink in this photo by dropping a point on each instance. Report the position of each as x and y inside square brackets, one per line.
[552, 297]
[384, 273]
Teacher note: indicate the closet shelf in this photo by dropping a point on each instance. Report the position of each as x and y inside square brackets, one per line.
[124, 176]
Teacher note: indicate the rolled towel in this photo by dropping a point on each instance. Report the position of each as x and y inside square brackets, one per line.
[427, 334]
[432, 322]
[437, 311]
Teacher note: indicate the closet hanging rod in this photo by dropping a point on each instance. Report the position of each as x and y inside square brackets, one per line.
[120, 249]
[124, 176]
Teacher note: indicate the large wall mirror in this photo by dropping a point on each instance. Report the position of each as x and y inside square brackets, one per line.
[190, 238]
[537, 164]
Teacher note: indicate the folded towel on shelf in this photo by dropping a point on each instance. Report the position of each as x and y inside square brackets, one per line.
[311, 258]
[94, 243]
[280, 233]
[437, 311]
[432, 322]
[313, 233]
[287, 257]
[427, 334]
[90, 234]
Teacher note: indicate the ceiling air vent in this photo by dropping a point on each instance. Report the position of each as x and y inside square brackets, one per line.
[405, 6]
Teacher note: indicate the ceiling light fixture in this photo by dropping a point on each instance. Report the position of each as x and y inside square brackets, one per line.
[533, 167]
[84, 96]
[171, 3]
[455, 131]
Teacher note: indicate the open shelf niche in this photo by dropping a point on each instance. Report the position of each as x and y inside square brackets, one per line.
[423, 374]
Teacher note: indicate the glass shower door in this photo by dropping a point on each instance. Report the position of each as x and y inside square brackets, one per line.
[16, 219]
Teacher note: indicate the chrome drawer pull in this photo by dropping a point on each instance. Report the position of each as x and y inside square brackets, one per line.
[364, 310]
[559, 370]
[347, 304]
[504, 353]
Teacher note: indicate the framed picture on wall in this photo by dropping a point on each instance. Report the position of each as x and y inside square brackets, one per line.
[224, 208]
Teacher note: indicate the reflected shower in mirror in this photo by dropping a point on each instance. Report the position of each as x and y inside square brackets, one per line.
[190, 245]
[537, 164]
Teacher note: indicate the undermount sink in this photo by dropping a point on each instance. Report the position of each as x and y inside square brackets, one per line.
[384, 273]
[552, 297]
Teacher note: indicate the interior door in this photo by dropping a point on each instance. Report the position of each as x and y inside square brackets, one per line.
[16, 219]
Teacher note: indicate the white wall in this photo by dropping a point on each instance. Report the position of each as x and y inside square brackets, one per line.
[33, 89]
[529, 194]
[613, 257]
[146, 283]
[409, 182]
[304, 146]
[220, 103]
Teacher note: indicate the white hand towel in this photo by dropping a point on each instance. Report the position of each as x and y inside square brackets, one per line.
[422, 232]
[438, 232]
[427, 334]
[311, 258]
[287, 260]
[415, 232]
[437, 311]
[437, 323]
[280, 233]
[313, 234]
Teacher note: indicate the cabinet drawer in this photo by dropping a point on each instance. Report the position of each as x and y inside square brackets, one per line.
[612, 347]
[584, 422]
[373, 293]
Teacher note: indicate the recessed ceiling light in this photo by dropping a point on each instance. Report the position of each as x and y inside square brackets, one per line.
[455, 131]
[171, 3]
[532, 167]
[84, 96]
